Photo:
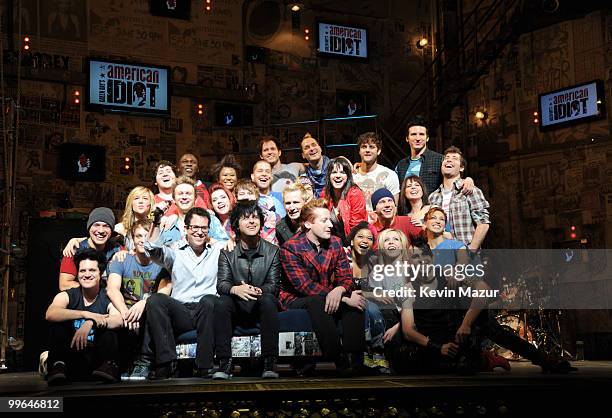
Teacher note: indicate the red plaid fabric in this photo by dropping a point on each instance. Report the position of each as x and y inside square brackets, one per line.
[309, 274]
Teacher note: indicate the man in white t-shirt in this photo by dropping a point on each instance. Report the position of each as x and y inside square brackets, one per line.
[283, 174]
[370, 175]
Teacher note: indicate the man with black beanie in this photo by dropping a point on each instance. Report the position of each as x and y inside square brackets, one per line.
[100, 225]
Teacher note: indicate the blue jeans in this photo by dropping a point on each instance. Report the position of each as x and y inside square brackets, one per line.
[374, 326]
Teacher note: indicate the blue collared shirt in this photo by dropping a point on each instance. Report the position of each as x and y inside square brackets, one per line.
[192, 276]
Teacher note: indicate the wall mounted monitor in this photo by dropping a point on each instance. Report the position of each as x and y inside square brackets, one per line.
[233, 115]
[82, 162]
[342, 41]
[572, 105]
[127, 87]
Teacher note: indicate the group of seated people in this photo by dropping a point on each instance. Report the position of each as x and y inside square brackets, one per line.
[313, 236]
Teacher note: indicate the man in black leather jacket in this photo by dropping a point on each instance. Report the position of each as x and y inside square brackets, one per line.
[248, 282]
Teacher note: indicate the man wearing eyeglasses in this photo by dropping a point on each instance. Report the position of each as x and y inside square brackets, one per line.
[188, 300]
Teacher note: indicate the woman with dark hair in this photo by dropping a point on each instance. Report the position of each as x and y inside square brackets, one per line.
[413, 199]
[345, 199]
[227, 171]
[222, 202]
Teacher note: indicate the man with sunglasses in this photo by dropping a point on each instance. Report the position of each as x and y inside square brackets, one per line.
[188, 300]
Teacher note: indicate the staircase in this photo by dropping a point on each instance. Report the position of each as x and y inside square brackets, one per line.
[483, 34]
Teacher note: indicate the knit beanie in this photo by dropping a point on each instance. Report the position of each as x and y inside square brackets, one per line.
[379, 194]
[101, 215]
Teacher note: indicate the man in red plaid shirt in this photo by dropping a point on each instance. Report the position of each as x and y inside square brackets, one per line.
[318, 278]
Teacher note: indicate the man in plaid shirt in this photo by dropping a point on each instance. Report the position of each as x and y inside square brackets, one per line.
[318, 278]
[468, 215]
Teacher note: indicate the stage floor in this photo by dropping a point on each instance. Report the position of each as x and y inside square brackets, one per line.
[522, 386]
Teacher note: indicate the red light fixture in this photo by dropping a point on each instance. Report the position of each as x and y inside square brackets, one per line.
[76, 97]
[26, 43]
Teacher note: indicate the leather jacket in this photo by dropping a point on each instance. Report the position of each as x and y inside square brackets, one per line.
[263, 270]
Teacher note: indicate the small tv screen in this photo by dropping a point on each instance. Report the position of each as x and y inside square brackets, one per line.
[233, 115]
[82, 162]
[128, 87]
[351, 103]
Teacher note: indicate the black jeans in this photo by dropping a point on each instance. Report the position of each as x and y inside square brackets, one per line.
[407, 357]
[326, 329]
[135, 345]
[228, 313]
[167, 318]
[80, 363]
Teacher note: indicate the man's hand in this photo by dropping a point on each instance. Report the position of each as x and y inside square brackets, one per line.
[246, 291]
[463, 333]
[390, 333]
[71, 247]
[167, 221]
[131, 317]
[163, 205]
[468, 186]
[333, 299]
[356, 300]
[449, 349]
[79, 340]
[230, 245]
[101, 320]
[120, 255]
[417, 223]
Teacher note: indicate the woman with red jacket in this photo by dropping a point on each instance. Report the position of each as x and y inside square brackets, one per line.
[345, 199]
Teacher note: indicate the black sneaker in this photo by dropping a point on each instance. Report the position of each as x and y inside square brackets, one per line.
[164, 371]
[108, 372]
[225, 370]
[269, 371]
[57, 374]
[553, 364]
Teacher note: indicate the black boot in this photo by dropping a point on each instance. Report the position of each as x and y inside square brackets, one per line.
[225, 370]
[164, 371]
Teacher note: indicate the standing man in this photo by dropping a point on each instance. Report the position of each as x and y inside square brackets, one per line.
[100, 225]
[468, 215]
[370, 175]
[283, 174]
[190, 298]
[268, 201]
[316, 170]
[82, 321]
[164, 176]
[422, 161]
[247, 283]
[318, 278]
[386, 215]
[188, 166]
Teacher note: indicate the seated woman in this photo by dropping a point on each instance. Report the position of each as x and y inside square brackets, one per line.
[383, 290]
[345, 200]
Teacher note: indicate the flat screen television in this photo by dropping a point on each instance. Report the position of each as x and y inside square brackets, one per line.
[127, 87]
[233, 115]
[342, 41]
[82, 162]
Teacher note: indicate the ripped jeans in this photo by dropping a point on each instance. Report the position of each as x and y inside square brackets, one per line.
[374, 326]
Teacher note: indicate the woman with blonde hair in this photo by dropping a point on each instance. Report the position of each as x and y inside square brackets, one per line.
[393, 250]
[139, 205]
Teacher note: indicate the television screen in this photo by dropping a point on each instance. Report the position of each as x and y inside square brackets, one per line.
[351, 103]
[572, 105]
[82, 162]
[128, 87]
[342, 41]
[233, 115]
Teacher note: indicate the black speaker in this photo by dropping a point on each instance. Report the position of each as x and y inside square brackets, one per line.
[46, 240]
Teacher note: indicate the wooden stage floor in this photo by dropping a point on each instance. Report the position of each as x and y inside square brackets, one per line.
[525, 389]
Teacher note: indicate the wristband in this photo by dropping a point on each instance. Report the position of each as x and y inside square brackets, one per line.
[95, 324]
[434, 346]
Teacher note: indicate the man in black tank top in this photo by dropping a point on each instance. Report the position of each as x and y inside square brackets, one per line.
[82, 323]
